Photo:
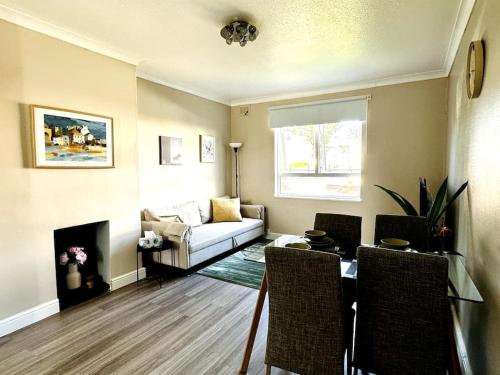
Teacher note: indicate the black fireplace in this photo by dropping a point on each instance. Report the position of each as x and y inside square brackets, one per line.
[94, 239]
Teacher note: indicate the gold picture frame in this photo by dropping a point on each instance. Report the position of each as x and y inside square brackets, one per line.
[67, 139]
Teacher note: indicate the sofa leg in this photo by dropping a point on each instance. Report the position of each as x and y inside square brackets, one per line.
[268, 369]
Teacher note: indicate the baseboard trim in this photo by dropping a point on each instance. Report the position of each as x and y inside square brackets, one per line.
[127, 278]
[463, 357]
[28, 317]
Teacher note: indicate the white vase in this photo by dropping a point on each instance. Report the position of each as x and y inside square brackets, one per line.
[73, 278]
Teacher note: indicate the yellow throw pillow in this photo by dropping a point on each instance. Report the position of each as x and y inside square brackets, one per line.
[226, 210]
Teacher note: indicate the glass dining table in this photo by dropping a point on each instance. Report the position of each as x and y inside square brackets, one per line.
[461, 286]
[348, 266]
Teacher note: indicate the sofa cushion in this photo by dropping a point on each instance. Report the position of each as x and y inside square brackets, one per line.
[190, 213]
[205, 206]
[211, 233]
[226, 209]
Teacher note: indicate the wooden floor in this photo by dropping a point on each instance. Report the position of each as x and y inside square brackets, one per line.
[192, 325]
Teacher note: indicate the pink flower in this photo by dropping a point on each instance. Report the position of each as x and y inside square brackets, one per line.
[81, 257]
[75, 249]
[63, 259]
[73, 254]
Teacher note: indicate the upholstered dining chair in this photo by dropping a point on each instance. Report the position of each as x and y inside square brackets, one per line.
[414, 229]
[344, 229]
[308, 329]
[402, 312]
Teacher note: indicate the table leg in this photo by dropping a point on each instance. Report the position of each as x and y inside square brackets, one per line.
[159, 268]
[255, 324]
[137, 260]
[453, 361]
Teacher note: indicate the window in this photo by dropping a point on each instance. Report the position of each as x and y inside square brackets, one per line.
[318, 161]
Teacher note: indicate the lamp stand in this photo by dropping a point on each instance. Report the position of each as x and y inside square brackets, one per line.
[237, 177]
[235, 146]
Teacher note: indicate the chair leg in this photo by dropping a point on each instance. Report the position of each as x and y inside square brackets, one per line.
[349, 339]
[349, 359]
[268, 369]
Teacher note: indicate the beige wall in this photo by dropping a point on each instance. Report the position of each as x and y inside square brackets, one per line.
[474, 155]
[35, 68]
[406, 138]
[169, 112]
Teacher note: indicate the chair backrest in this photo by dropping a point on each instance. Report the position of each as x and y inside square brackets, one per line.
[306, 324]
[402, 312]
[344, 229]
[414, 229]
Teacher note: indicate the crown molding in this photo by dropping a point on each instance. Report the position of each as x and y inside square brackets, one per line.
[204, 95]
[461, 20]
[44, 27]
[393, 80]
[47, 28]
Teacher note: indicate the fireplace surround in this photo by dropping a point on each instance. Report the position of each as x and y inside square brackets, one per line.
[95, 272]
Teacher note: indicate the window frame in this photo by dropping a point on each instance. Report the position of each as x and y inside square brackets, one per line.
[317, 173]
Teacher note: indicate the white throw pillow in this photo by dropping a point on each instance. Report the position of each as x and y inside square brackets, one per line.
[205, 206]
[189, 213]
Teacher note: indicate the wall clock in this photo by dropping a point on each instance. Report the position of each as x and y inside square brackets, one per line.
[475, 69]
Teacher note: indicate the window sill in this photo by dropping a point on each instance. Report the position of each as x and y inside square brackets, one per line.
[338, 199]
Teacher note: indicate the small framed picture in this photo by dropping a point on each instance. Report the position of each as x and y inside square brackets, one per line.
[207, 148]
[63, 138]
[170, 150]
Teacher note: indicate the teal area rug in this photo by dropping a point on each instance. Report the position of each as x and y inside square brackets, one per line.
[240, 267]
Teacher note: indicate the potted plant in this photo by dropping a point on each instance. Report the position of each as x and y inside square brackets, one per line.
[73, 257]
[434, 212]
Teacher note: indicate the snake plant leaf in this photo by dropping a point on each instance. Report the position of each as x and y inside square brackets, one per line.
[438, 202]
[448, 204]
[402, 201]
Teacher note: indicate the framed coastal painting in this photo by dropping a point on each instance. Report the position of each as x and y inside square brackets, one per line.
[170, 150]
[69, 139]
[207, 148]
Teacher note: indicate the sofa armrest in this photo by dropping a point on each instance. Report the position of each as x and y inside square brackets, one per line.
[181, 230]
[252, 211]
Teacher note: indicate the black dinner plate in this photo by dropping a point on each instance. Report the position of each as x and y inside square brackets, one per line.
[326, 241]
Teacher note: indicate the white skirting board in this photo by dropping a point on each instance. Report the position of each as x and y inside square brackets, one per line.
[44, 310]
[28, 317]
[127, 278]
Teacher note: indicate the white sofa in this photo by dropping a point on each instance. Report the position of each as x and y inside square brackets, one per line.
[194, 244]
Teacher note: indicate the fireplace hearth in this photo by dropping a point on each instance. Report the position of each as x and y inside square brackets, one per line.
[94, 273]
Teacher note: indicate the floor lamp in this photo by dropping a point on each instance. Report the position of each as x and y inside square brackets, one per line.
[235, 146]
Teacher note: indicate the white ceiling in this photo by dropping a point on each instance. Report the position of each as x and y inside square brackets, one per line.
[304, 46]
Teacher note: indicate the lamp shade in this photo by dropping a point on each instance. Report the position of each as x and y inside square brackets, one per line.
[235, 144]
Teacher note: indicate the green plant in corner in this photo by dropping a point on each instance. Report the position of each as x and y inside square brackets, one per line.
[439, 205]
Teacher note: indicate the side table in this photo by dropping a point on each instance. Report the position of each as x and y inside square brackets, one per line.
[166, 245]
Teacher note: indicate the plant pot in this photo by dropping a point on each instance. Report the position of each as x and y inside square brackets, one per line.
[73, 278]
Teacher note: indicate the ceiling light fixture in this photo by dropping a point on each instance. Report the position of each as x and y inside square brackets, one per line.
[240, 32]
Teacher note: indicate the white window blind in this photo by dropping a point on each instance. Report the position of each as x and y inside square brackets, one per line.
[319, 148]
[321, 112]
